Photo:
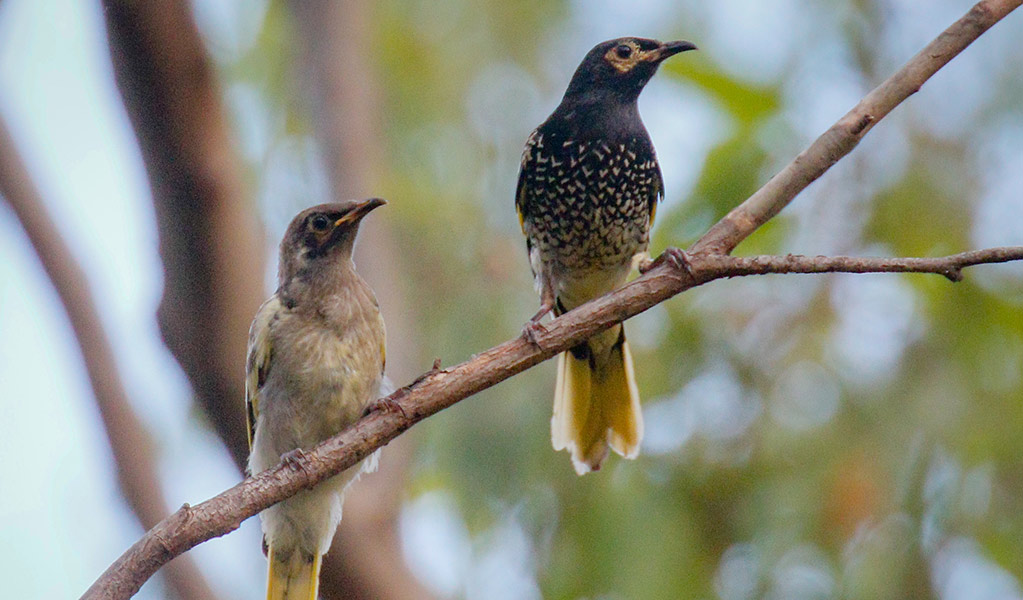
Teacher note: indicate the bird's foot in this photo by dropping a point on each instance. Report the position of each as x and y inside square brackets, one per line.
[392, 403]
[294, 459]
[389, 404]
[676, 257]
[532, 331]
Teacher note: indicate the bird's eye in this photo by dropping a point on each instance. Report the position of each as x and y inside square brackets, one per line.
[623, 51]
[320, 223]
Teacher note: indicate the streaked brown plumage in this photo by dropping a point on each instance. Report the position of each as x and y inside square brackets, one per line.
[316, 361]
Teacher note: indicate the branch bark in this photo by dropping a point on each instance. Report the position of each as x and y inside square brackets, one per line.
[442, 388]
[130, 443]
[949, 266]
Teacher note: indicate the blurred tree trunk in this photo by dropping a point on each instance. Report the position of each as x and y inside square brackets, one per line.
[337, 68]
[210, 237]
[212, 250]
[130, 444]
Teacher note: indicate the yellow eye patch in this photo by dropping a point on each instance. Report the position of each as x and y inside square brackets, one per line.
[624, 60]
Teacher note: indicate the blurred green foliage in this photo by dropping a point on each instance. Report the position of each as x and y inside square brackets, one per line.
[810, 437]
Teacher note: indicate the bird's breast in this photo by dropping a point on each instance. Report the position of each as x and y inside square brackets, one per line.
[587, 203]
[322, 379]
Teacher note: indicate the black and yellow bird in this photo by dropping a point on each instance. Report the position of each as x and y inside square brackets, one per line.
[587, 194]
[315, 363]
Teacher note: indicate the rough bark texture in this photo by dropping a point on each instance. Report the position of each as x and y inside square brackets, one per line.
[130, 443]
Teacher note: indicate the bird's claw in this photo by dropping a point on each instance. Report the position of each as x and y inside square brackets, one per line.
[532, 331]
[388, 404]
[294, 459]
[677, 257]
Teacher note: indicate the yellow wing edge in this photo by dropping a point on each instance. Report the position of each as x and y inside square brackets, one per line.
[258, 361]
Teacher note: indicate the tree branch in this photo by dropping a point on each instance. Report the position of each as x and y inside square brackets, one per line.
[130, 443]
[844, 135]
[949, 266]
[440, 389]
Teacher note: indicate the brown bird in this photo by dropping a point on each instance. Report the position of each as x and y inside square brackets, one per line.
[587, 193]
[315, 362]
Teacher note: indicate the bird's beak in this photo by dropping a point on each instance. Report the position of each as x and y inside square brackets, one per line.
[361, 210]
[668, 49]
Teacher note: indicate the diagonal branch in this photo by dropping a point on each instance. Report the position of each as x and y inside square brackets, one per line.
[130, 443]
[844, 135]
[440, 389]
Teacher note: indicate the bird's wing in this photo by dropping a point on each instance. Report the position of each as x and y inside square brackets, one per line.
[657, 193]
[260, 357]
[533, 145]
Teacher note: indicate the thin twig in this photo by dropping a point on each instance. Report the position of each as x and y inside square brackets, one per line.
[949, 266]
[225, 512]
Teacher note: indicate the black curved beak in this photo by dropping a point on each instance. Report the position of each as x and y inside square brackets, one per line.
[669, 49]
[360, 210]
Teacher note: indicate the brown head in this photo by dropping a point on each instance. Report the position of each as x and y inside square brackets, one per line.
[319, 241]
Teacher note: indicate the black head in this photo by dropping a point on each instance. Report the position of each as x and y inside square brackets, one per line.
[322, 235]
[620, 68]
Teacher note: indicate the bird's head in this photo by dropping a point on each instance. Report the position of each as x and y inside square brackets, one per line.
[322, 238]
[621, 67]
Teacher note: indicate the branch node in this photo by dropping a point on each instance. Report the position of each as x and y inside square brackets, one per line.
[862, 124]
[955, 275]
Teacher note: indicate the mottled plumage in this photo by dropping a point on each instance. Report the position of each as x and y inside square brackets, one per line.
[316, 361]
[587, 194]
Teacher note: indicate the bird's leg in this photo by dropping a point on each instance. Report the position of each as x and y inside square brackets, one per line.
[533, 328]
[678, 258]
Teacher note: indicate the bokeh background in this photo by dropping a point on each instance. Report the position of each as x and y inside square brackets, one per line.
[807, 436]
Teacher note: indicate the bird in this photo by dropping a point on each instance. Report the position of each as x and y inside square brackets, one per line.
[586, 197]
[315, 364]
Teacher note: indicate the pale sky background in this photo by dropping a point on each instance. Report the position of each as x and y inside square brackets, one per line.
[58, 97]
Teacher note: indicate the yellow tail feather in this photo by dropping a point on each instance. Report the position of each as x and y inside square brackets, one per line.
[596, 406]
[292, 577]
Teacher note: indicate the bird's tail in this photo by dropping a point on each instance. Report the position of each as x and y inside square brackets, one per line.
[596, 402]
[292, 576]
